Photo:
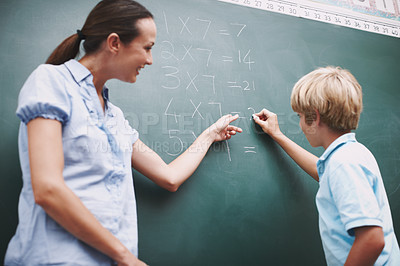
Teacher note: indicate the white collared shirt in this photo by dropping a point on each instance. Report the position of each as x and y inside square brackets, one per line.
[352, 194]
[97, 150]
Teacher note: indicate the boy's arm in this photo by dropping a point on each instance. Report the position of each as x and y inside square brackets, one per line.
[306, 160]
[367, 246]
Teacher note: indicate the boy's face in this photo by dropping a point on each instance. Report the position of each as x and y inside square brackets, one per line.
[309, 130]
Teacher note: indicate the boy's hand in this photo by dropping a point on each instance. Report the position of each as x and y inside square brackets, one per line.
[268, 121]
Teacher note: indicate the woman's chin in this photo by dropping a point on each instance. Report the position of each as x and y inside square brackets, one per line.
[132, 80]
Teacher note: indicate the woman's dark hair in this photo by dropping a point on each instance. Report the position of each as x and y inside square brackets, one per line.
[108, 16]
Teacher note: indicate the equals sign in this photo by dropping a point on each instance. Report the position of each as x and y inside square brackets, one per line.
[232, 84]
[224, 32]
[227, 58]
[250, 150]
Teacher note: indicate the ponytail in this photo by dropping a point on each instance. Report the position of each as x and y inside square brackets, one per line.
[67, 50]
[108, 16]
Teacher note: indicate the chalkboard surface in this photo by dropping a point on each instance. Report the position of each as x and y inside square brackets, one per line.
[248, 203]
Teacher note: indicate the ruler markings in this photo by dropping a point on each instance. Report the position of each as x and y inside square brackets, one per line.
[346, 18]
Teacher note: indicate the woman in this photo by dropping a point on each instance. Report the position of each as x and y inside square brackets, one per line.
[77, 205]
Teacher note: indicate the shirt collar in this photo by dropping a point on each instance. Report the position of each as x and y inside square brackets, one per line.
[105, 96]
[78, 71]
[105, 93]
[348, 137]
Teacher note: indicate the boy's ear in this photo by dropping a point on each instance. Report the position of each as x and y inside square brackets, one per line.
[113, 43]
[317, 117]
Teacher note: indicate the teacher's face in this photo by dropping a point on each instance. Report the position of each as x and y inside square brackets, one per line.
[137, 54]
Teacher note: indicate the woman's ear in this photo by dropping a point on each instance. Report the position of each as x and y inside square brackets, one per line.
[113, 43]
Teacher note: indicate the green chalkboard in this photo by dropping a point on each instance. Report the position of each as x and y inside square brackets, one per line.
[248, 203]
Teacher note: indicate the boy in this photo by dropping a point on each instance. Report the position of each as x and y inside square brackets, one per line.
[354, 215]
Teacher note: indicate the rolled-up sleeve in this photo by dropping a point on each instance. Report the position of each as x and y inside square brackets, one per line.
[354, 197]
[44, 94]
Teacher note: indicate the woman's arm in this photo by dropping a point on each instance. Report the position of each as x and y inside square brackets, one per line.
[306, 160]
[367, 246]
[171, 176]
[59, 202]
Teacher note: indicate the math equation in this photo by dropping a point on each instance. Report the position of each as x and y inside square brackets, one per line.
[202, 79]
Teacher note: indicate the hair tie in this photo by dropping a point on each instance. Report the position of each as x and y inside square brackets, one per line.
[81, 36]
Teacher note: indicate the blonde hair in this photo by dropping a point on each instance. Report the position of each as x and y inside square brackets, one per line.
[334, 92]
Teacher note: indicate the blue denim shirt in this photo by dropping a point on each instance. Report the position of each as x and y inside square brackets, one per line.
[352, 194]
[97, 150]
